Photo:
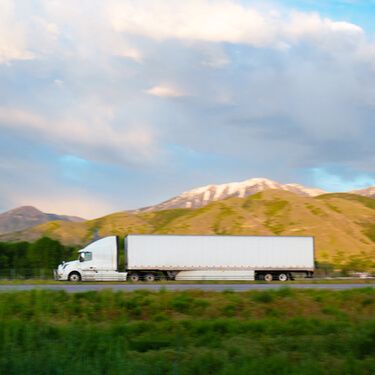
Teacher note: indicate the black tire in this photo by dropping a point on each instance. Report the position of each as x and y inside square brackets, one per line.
[268, 277]
[133, 277]
[149, 277]
[283, 277]
[74, 277]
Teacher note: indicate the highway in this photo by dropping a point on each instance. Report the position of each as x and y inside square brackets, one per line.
[86, 287]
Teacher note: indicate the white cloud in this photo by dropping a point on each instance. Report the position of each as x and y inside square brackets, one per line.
[306, 87]
[301, 25]
[94, 135]
[58, 82]
[13, 43]
[165, 91]
[131, 53]
[223, 21]
[216, 62]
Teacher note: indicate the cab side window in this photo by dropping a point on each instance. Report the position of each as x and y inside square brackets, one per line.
[88, 256]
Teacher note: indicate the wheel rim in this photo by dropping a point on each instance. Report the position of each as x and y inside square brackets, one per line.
[134, 277]
[268, 277]
[74, 277]
[283, 277]
[149, 278]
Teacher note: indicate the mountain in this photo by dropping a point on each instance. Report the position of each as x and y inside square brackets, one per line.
[368, 192]
[27, 216]
[203, 195]
[343, 224]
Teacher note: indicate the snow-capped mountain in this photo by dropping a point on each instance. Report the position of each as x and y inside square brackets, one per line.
[201, 196]
[368, 192]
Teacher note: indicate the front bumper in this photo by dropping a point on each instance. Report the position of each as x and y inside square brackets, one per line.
[57, 276]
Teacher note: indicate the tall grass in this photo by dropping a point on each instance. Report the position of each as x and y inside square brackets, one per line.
[194, 332]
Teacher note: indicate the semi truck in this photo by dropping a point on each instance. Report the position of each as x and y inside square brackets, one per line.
[191, 257]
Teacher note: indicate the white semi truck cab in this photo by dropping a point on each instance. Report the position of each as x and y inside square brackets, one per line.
[98, 261]
[192, 257]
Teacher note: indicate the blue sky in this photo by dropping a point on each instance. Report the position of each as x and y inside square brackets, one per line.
[114, 105]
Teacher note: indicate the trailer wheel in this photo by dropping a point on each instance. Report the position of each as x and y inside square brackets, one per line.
[268, 277]
[150, 277]
[74, 277]
[283, 277]
[134, 277]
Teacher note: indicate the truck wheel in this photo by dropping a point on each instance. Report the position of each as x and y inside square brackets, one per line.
[150, 277]
[74, 277]
[268, 277]
[134, 277]
[283, 277]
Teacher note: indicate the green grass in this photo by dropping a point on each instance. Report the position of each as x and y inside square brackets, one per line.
[284, 331]
[336, 280]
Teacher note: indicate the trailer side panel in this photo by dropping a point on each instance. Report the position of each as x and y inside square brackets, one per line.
[200, 252]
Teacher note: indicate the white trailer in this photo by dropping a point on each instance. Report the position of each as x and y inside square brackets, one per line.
[193, 257]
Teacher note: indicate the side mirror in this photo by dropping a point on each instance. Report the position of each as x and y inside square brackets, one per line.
[81, 258]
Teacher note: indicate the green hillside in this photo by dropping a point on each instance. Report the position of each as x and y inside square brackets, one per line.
[343, 224]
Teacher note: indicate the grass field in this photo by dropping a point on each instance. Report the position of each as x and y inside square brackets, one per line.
[336, 280]
[283, 331]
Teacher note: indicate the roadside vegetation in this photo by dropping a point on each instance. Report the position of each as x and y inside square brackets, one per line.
[25, 260]
[282, 331]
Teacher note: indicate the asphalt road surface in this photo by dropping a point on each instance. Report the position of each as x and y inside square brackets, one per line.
[73, 288]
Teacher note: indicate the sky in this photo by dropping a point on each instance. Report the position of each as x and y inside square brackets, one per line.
[114, 105]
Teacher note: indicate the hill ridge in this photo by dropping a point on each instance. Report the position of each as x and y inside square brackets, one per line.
[27, 216]
[343, 224]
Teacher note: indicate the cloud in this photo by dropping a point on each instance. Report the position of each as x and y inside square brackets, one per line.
[165, 91]
[131, 53]
[141, 95]
[214, 56]
[13, 41]
[96, 135]
[223, 21]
